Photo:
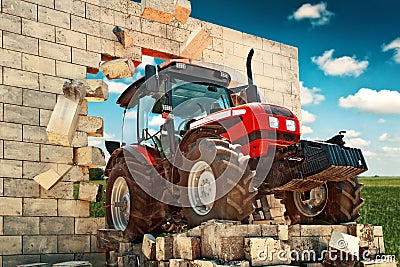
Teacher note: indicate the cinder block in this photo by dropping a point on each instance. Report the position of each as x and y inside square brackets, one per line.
[268, 230]
[306, 249]
[54, 17]
[73, 208]
[187, 248]
[20, 188]
[56, 258]
[94, 44]
[21, 226]
[204, 263]
[56, 225]
[31, 169]
[20, 43]
[71, 71]
[183, 9]
[365, 233]
[21, 151]
[39, 99]
[231, 249]
[20, 8]
[38, 30]
[10, 23]
[80, 139]
[85, 26]
[164, 248]
[94, 126]
[62, 190]
[118, 69]
[74, 7]
[54, 51]
[49, 83]
[316, 230]
[258, 251]
[39, 244]
[20, 78]
[198, 40]
[56, 154]
[10, 131]
[11, 59]
[77, 174]
[88, 225]
[75, 90]
[97, 91]
[73, 264]
[272, 71]
[92, 157]
[10, 245]
[149, 247]
[38, 64]
[11, 95]
[39, 207]
[19, 114]
[73, 243]
[34, 265]
[86, 58]
[90, 192]
[271, 46]
[128, 260]
[63, 121]
[34, 134]
[123, 37]
[178, 263]
[159, 11]
[10, 168]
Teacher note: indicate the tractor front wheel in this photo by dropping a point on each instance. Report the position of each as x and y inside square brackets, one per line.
[207, 179]
[128, 207]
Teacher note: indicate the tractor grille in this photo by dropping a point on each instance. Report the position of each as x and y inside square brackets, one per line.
[325, 161]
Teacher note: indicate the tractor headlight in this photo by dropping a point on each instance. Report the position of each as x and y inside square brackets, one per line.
[273, 122]
[291, 125]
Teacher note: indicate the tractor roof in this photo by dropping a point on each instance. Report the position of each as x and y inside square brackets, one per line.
[184, 71]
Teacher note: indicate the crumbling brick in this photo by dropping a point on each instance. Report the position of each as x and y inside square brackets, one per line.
[97, 91]
[118, 69]
[164, 248]
[149, 247]
[264, 251]
[198, 40]
[92, 157]
[90, 192]
[94, 126]
[161, 11]
[182, 10]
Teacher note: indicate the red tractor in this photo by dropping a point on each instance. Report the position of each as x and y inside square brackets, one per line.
[204, 150]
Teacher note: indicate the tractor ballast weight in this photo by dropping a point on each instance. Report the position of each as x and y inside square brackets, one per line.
[213, 139]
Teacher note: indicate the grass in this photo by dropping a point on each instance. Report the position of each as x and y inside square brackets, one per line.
[382, 207]
[96, 208]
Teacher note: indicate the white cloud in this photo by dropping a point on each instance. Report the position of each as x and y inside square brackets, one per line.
[131, 114]
[352, 134]
[385, 137]
[156, 121]
[392, 150]
[310, 95]
[368, 154]
[357, 142]
[116, 87]
[381, 121]
[307, 117]
[368, 100]
[395, 46]
[317, 14]
[342, 66]
[306, 130]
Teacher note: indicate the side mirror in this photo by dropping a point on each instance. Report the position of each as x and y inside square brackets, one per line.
[151, 78]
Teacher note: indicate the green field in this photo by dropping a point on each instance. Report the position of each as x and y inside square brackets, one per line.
[382, 207]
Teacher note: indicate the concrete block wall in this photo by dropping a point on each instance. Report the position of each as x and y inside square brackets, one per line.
[44, 43]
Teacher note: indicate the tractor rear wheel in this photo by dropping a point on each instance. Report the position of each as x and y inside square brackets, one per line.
[334, 202]
[207, 178]
[128, 207]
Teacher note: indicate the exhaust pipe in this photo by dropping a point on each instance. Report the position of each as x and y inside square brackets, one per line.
[248, 66]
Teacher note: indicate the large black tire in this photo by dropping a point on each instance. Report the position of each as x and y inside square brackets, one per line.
[146, 214]
[343, 204]
[237, 203]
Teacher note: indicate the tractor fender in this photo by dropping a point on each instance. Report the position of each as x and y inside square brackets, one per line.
[139, 153]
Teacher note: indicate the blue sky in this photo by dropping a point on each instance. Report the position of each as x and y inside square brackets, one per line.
[349, 60]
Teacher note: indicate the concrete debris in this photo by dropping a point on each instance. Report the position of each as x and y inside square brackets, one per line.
[182, 10]
[97, 91]
[92, 157]
[63, 121]
[149, 247]
[49, 178]
[90, 192]
[161, 11]
[198, 40]
[118, 68]
[75, 90]
[123, 37]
